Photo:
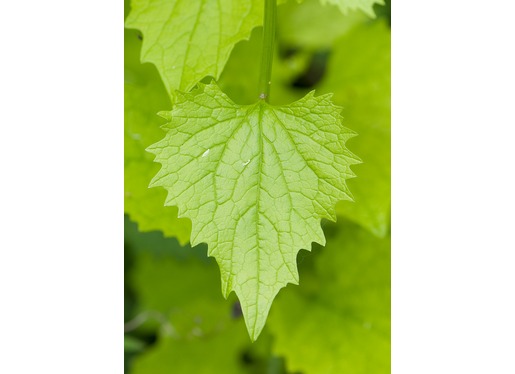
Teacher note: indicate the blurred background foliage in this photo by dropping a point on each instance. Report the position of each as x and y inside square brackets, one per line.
[338, 319]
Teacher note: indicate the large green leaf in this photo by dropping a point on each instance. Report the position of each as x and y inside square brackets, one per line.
[144, 97]
[255, 180]
[339, 321]
[188, 40]
[358, 74]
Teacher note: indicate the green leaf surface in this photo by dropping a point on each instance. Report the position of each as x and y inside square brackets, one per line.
[255, 180]
[339, 322]
[188, 40]
[358, 74]
[345, 6]
[144, 96]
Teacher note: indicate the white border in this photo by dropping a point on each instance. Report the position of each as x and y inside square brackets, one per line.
[61, 194]
[453, 268]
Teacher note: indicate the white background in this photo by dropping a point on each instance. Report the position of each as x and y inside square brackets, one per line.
[61, 188]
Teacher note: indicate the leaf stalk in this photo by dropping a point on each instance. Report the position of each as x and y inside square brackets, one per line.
[267, 54]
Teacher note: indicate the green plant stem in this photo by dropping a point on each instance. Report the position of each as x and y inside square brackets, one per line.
[267, 54]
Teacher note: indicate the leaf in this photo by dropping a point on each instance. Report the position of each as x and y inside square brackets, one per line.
[217, 354]
[358, 74]
[199, 333]
[312, 26]
[255, 180]
[193, 307]
[156, 243]
[144, 95]
[132, 344]
[366, 6]
[160, 268]
[188, 40]
[340, 321]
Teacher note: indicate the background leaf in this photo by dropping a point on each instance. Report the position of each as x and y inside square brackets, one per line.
[188, 40]
[144, 97]
[358, 74]
[366, 6]
[311, 26]
[338, 321]
[197, 330]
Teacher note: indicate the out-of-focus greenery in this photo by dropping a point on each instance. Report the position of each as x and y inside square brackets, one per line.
[338, 319]
[144, 97]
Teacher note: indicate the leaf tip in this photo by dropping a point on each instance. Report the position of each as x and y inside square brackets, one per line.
[165, 114]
